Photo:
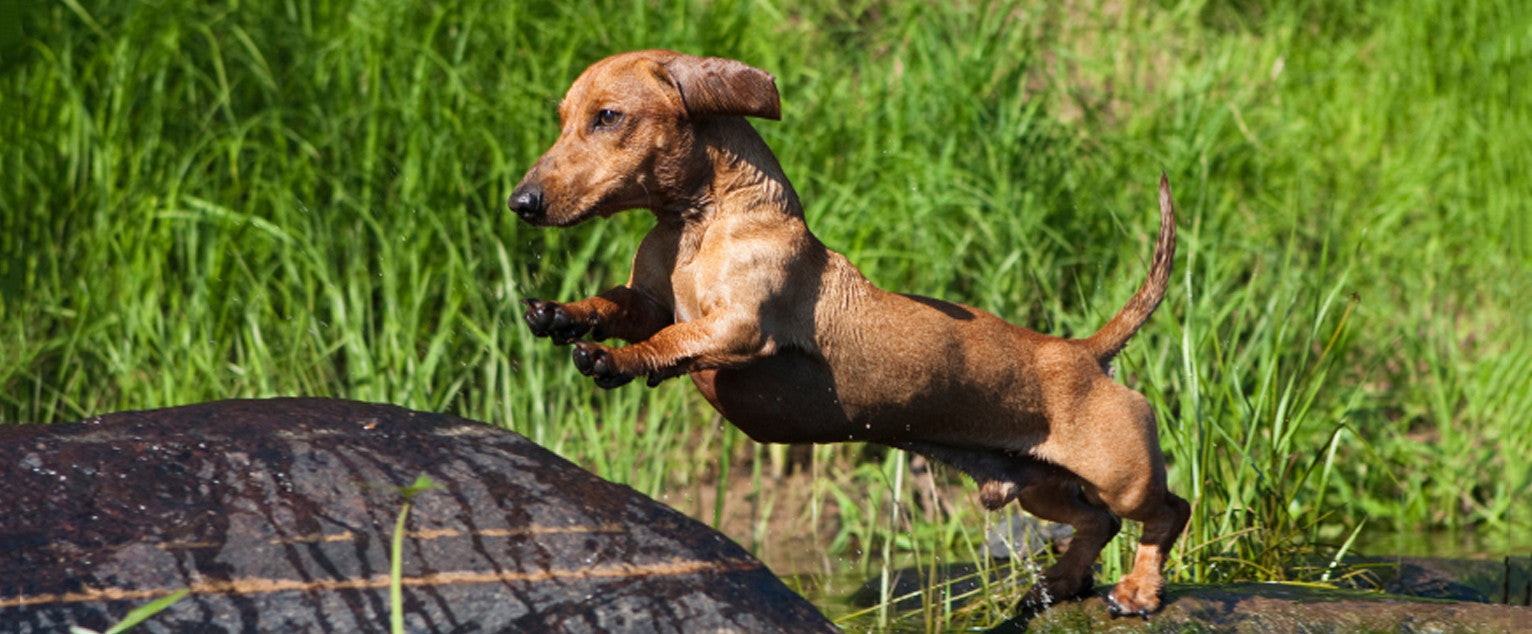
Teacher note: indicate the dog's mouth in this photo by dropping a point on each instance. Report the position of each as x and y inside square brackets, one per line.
[540, 203]
[531, 204]
[571, 221]
[579, 213]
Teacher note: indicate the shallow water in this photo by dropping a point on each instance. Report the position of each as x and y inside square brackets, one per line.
[1467, 544]
[832, 595]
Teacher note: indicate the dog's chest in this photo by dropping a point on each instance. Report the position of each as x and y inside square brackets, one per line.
[705, 272]
[687, 296]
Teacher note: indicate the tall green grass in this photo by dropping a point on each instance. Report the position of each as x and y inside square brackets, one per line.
[214, 200]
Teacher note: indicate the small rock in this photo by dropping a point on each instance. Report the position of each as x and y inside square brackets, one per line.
[1025, 536]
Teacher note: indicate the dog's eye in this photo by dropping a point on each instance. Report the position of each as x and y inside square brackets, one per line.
[608, 118]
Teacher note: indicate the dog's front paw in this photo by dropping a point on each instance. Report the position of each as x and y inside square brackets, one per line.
[549, 319]
[595, 361]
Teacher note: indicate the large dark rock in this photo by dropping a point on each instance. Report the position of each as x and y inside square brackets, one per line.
[278, 515]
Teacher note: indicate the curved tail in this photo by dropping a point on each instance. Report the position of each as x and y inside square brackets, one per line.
[1110, 339]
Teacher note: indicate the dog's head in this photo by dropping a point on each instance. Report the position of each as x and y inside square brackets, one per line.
[628, 137]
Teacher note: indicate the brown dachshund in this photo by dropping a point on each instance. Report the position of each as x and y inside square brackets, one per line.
[790, 342]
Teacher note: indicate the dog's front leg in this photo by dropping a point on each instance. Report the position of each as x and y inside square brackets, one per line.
[632, 312]
[623, 312]
[715, 341]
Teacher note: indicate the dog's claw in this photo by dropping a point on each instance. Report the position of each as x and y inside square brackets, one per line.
[1117, 610]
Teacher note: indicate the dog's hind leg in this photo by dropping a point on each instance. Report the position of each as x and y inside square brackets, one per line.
[1062, 500]
[1117, 458]
[1164, 518]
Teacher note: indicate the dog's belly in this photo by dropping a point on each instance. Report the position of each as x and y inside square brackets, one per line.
[789, 397]
[792, 397]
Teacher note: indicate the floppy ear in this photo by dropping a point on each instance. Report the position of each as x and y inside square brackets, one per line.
[718, 86]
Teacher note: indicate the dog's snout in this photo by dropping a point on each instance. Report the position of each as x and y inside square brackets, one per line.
[528, 203]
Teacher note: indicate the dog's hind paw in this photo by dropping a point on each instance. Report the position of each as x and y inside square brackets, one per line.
[1132, 599]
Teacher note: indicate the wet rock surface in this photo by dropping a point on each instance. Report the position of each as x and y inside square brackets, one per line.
[1280, 608]
[1385, 594]
[1506, 581]
[278, 516]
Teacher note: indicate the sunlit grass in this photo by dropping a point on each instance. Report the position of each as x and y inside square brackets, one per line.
[205, 200]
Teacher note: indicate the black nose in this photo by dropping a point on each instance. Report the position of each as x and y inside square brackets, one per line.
[527, 203]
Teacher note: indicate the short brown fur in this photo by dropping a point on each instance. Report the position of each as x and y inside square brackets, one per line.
[790, 342]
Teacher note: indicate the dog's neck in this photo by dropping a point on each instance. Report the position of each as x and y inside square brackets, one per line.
[743, 175]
